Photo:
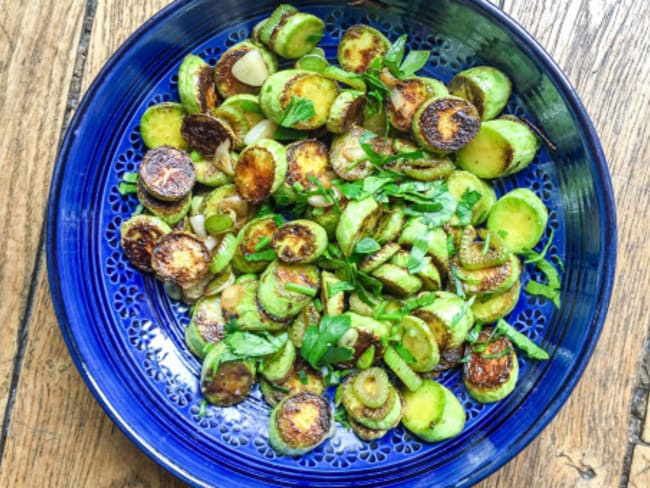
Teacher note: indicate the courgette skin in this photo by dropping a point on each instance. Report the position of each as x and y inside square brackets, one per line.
[357, 221]
[260, 170]
[281, 87]
[299, 241]
[226, 82]
[160, 125]
[360, 46]
[196, 86]
[300, 423]
[491, 373]
[225, 383]
[487, 88]
[279, 301]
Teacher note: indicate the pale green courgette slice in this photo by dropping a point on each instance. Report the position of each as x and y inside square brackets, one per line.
[486, 87]
[520, 218]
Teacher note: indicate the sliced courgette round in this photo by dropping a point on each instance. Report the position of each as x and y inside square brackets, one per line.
[397, 281]
[302, 378]
[460, 182]
[236, 120]
[492, 370]
[196, 85]
[206, 133]
[307, 317]
[138, 237]
[297, 35]
[346, 111]
[225, 383]
[225, 200]
[491, 308]
[406, 97]
[260, 170]
[278, 367]
[226, 81]
[207, 326]
[501, 147]
[390, 226]
[170, 212]
[160, 125]
[372, 387]
[282, 88]
[299, 241]
[360, 45]
[300, 423]
[305, 159]
[375, 260]
[249, 257]
[495, 279]
[358, 220]
[180, 257]
[209, 175]
[239, 303]
[433, 413]
[449, 319]
[333, 302]
[487, 88]
[167, 173]
[420, 342]
[280, 292]
[445, 124]
[520, 218]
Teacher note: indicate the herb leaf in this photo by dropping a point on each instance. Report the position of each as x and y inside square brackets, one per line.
[319, 343]
[415, 61]
[367, 245]
[417, 261]
[247, 344]
[464, 207]
[299, 109]
[395, 54]
[531, 349]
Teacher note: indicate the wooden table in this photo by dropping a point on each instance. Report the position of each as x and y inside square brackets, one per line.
[55, 434]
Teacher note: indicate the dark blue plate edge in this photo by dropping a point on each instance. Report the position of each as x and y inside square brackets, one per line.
[603, 184]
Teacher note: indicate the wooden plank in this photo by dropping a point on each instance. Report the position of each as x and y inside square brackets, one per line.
[59, 435]
[602, 47]
[38, 43]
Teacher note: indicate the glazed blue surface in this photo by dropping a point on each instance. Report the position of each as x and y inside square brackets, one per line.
[126, 335]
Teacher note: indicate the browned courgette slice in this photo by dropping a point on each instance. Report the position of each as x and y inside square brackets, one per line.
[261, 170]
[180, 257]
[492, 370]
[300, 423]
[206, 133]
[138, 236]
[167, 173]
[445, 124]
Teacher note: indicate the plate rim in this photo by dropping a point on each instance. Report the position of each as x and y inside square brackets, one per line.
[606, 206]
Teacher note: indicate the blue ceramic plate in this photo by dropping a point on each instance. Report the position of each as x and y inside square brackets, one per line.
[126, 336]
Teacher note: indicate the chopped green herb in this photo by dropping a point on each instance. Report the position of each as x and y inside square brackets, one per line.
[303, 376]
[262, 243]
[130, 177]
[464, 206]
[451, 247]
[320, 341]
[195, 156]
[202, 408]
[367, 245]
[404, 353]
[248, 344]
[305, 290]
[415, 61]
[338, 287]
[341, 416]
[318, 305]
[395, 54]
[367, 357]
[288, 134]
[249, 106]
[542, 290]
[126, 188]
[299, 109]
[266, 255]
[463, 310]
[497, 355]
[138, 210]
[475, 331]
[531, 349]
[417, 261]
[486, 245]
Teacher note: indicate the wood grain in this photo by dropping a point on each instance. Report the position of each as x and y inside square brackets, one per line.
[602, 48]
[37, 53]
[59, 436]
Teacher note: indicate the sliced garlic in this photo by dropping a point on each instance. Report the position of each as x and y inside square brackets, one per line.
[264, 129]
[251, 68]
